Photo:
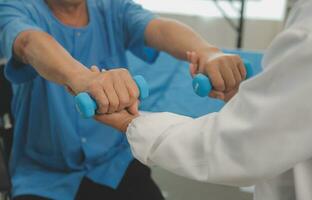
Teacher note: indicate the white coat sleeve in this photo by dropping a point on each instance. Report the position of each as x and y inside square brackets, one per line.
[263, 131]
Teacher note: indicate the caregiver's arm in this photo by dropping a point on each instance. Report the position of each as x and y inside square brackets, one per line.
[262, 132]
[225, 71]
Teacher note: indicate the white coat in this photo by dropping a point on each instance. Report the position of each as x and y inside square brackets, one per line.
[262, 137]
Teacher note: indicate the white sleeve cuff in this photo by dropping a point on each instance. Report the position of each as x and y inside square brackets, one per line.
[145, 132]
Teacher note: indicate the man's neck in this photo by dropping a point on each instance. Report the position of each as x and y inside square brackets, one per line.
[70, 13]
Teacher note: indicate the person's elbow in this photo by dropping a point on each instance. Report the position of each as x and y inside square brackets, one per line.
[26, 41]
[156, 32]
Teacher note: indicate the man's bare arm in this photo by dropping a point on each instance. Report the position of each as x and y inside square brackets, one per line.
[113, 90]
[49, 58]
[224, 70]
[175, 38]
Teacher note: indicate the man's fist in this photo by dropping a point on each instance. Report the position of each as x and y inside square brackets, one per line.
[225, 71]
[113, 90]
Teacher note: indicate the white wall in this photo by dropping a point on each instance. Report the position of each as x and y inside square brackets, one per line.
[258, 33]
[264, 19]
[255, 9]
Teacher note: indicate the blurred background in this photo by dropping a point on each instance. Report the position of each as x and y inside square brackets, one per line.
[246, 24]
[218, 20]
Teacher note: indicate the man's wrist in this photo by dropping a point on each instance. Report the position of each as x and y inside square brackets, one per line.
[76, 77]
[207, 50]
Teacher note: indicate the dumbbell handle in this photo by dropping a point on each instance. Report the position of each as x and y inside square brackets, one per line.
[202, 85]
[87, 106]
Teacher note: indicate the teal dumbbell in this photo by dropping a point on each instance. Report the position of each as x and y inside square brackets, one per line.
[87, 106]
[202, 85]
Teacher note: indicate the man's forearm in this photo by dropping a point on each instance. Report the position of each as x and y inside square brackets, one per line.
[47, 56]
[175, 38]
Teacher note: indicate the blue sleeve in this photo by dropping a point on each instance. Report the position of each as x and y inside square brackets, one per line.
[135, 20]
[14, 19]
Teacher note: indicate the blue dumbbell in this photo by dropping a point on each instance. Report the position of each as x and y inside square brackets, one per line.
[87, 106]
[202, 85]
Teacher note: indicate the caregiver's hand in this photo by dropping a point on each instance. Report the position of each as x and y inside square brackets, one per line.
[118, 120]
[113, 90]
[226, 71]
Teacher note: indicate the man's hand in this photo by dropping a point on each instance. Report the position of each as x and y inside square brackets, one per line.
[226, 71]
[113, 90]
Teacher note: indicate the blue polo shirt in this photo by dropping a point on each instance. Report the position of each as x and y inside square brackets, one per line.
[54, 148]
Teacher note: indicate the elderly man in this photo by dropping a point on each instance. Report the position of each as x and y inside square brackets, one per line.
[50, 46]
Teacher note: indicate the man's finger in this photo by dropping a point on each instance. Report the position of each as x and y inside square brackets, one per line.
[228, 77]
[134, 108]
[195, 62]
[192, 70]
[242, 70]
[122, 93]
[188, 56]
[217, 95]
[215, 78]
[236, 73]
[102, 102]
[132, 87]
[228, 96]
[194, 58]
[112, 97]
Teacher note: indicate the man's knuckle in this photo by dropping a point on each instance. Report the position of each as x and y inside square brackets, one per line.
[219, 85]
[124, 101]
[102, 109]
[232, 83]
[105, 103]
[92, 89]
[114, 104]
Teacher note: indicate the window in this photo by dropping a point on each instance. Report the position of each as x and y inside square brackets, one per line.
[255, 9]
